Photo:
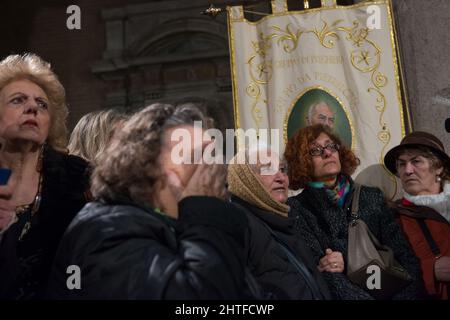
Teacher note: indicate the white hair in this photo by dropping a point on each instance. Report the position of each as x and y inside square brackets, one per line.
[312, 109]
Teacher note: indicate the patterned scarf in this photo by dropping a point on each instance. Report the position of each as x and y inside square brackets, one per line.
[336, 192]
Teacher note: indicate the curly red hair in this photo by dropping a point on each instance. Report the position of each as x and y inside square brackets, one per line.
[300, 161]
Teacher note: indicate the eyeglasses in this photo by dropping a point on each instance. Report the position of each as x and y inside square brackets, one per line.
[268, 170]
[319, 150]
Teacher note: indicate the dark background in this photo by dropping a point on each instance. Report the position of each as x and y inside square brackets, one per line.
[130, 53]
[39, 26]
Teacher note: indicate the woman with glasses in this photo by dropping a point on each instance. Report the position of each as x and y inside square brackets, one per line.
[320, 164]
[46, 187]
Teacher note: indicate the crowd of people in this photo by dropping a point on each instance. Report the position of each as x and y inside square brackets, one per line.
[137, 224]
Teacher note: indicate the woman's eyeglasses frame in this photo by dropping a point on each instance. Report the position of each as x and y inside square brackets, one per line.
[318, 150]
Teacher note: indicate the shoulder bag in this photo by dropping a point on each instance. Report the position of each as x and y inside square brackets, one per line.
[370, 264]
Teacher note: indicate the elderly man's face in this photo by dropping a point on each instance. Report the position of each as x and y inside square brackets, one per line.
[323, 115]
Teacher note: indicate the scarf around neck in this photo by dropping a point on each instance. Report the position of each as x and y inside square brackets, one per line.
[337, 192]
[439, 202]
[244, 183]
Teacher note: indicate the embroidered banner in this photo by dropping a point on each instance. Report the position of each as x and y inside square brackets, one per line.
[292, 69]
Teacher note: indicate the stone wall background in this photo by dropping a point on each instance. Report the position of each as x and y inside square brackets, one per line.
[134, 52]
[423, 33]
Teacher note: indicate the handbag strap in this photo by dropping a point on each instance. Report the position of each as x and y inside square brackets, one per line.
[355, 201]
[431, 243]
[426, 232]
[299, 265]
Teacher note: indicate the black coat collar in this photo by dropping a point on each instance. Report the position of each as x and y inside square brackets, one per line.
[274, 220]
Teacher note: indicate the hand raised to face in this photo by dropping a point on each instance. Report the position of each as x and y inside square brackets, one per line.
[206, 180]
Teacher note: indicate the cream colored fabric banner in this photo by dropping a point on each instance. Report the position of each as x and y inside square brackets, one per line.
[291, 69]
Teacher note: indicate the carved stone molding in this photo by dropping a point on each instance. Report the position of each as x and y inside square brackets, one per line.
[165, 51]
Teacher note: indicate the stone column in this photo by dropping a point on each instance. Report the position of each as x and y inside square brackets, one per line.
[424, 41]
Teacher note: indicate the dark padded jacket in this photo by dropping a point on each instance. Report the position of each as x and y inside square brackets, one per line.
[325, 225]
[129, 252]
[268, 262]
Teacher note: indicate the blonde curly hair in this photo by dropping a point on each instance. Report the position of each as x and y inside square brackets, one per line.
[93, 132]
[31, 67]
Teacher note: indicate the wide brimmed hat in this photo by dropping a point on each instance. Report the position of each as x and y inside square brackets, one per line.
[417, 139]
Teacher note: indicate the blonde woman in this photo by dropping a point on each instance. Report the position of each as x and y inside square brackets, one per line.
[46, 186]
[93, 132]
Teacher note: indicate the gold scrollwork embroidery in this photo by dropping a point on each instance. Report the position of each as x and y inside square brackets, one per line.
[260, 71]
[254, 92]
[326, 32]
[365, 58]
[287, 36]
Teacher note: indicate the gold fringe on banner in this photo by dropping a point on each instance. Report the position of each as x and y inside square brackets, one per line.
[279, 6]
[327, 3]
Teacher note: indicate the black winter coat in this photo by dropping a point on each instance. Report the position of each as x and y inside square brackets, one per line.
[325, 225]
[25, 264]
[267, 261]
[129, 252]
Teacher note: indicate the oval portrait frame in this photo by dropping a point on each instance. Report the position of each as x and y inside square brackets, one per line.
[298, 111]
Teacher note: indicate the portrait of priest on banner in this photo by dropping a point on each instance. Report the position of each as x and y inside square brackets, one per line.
[317, 106]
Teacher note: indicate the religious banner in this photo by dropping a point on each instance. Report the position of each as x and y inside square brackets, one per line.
[335, 65]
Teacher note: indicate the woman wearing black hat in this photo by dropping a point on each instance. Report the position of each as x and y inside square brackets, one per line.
[423, 167]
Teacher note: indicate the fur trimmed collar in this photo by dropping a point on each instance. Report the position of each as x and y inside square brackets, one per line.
[439, 202]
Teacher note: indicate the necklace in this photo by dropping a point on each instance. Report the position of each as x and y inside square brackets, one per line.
[33, 207]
